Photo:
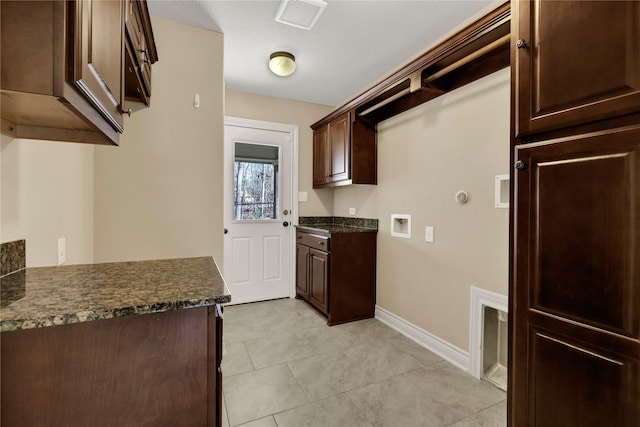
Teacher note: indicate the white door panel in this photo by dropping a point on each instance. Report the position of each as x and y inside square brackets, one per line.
[241, 259]
[272, 258]
[258, 190]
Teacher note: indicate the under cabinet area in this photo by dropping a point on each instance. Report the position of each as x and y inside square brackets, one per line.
[63, 68]
[336, 273]
[344, 152]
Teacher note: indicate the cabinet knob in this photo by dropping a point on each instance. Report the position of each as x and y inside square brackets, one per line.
[520, 164]
[521, 44]
[285, 224]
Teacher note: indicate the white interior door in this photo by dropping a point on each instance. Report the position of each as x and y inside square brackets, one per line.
[257, 210]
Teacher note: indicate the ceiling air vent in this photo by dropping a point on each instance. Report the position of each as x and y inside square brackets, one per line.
[300, 13]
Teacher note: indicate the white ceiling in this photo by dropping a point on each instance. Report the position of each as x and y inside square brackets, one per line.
[353, 44]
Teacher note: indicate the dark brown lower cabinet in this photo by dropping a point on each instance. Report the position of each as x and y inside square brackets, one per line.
[319, 279]
[575, 305]
[336, 274]
[148, 370]
[313, 271]
[302, 271]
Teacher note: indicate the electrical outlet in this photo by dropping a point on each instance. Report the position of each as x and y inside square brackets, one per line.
[352, 211]
[62, 250]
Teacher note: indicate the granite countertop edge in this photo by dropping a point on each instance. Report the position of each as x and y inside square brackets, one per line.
[110, 313]
[161, 281]
[330, 228]
[337, 224]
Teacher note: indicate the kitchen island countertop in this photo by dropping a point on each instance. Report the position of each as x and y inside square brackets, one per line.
[48, 296]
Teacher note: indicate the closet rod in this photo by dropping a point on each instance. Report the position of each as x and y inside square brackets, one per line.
[382, 103]
[463, 61]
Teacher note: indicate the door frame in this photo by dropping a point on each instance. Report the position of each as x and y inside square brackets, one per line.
[292, 130]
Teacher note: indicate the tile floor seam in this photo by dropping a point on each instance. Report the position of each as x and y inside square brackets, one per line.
[253, 365]
[224, 407]
[470, 417]
[299, 385]
[360, 409]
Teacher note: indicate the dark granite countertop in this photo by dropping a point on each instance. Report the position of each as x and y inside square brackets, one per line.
[333, 224]
[329, 228]
[48, 296]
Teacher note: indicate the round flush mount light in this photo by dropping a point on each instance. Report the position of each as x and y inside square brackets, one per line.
[282, 63]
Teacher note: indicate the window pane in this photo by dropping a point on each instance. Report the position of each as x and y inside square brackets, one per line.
[255, 179]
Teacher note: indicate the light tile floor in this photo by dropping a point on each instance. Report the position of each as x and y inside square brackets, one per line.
[284, 367]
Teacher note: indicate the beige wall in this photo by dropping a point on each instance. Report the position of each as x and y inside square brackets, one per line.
[302, 114]
[459, 141]
[47, 193]
[159, 194]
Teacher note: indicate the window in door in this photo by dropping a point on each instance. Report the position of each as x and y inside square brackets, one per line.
[256, 177]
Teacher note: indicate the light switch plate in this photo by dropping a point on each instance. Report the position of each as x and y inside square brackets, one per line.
[428, 234]
[352, 211]
[303, 196]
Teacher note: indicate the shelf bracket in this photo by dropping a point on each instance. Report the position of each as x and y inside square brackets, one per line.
[416, 81]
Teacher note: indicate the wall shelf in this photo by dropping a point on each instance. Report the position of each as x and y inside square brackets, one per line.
[479, 49]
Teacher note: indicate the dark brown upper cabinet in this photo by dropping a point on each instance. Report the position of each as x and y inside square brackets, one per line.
[320, 156]
[140, 52]
[344, 152]
[96, 30]
[63, 68]
[603, 77]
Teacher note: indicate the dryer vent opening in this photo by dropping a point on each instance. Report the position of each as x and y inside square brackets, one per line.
[489, 337]
[494, 347]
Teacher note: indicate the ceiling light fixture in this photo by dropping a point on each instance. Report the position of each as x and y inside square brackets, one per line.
[282, 63]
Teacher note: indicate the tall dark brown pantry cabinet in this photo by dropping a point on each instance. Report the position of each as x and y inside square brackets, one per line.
[575, 271]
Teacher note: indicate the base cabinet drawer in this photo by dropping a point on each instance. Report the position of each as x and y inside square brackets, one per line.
[315, 241]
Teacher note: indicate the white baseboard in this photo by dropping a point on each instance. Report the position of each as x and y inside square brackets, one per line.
[437, 345]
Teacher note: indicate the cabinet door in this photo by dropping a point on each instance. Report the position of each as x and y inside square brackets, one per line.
[321, 159]
[98, 54]
[575, 339]
[302, 271]
[340, 146]
[580, 62]
[318, 279]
